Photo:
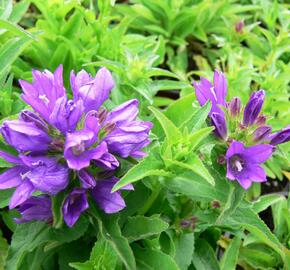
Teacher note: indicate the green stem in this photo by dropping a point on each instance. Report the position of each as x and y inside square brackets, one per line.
[150, 200]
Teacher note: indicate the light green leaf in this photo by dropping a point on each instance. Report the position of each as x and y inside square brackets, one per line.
[204, 257]
[153, 259]
[263, 202]
[230, 257]
[171, 131]
[15, 29]
[198, 118]
[140, 227]
[184, 248]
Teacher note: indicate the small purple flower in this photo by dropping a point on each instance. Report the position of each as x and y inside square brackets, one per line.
[128, 136]
[243, 164]
[216, 93]
[30, 174]
[253, 107]
[66, 114]
[110, 202]
[45, 90]
[75, 203]
[234, 107]
[262, 133]
[280, 136]
[25, 136]
[35, 208]
[93, 91]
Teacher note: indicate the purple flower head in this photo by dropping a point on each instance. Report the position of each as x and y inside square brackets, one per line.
[243, 163]
[93, 91]
[262, 133]
[75, 203]
[281, 136]
[25, 136]
[216, 93]
[45, 90]
[234, 107]
[253, 107]
[106, 200]
[35, 208]
[30, 174]
[66, 114]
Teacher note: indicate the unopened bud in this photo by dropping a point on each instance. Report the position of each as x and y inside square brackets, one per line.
[262, 133]
[234, 107]
[239, 26]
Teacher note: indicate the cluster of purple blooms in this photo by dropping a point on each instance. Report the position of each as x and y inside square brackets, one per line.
[233, 123]
[69, 145]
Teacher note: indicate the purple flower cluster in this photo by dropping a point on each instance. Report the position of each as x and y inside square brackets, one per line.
[243, 163]
[69, 145]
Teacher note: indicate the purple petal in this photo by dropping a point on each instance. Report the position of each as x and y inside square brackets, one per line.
[281, 136]
[245, 183]
[10, 158]
[109, 202]
[87, 180]
[21, 194]
[75, 203]
[219, 122]
[235, 148]
[12, 177]
[126, 112]
[220, 87]
[259, 153]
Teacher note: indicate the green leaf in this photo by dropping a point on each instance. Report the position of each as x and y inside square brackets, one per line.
[263, 202]
[140, 227]
[199, 117]
[149, 166]
[5, 196]
[230, 257]
[3, 251]
[198, 136]
[172, 133]
[184, 248]
[204, 257]
[181, 110]
[10, 51]
[153, 259]
[15, 29]
[195, 187]
[110, 230]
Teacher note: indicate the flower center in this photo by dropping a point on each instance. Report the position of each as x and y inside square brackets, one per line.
[78, 149]
[237, 163]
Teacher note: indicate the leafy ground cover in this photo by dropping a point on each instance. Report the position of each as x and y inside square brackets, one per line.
[147, 143]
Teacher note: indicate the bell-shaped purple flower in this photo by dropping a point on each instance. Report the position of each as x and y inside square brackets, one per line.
[253, 107]
[35, 208]
[25, 136]
[234, 107]
[110, 202]
[127, 136]
[75, 203]
[93, 91]
[262, 133]
[30, 174]
[45, 90]
[281, 136]
[127, 139]
[243, 163]
[66, 114]
[219, 122]
[216, 93]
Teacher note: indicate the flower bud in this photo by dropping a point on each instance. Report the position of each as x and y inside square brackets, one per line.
[239, 26]
[234, 107]
[261, 120]
[219, 122]
[253, 107]
[281, 136]
[262, 133]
